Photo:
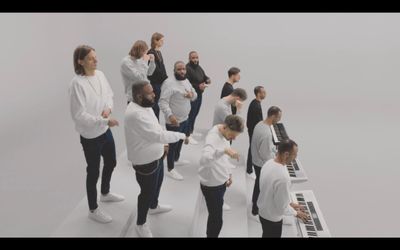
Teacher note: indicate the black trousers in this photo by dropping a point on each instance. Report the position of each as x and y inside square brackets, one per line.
[249, 169]
[175, 148]
[256, 190]
[150, 177]
[214, 197]
[157, 92]
[271, 229]
[94, 149]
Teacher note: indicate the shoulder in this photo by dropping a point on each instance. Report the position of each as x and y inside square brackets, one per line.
[76, 81]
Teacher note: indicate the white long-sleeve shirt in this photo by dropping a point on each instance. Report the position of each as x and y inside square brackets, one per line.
[262, 146]
[89, 97]
[144, 136]
[221, 111]
[214, 167]
[274, 199]
[133, 70]
[172, 100]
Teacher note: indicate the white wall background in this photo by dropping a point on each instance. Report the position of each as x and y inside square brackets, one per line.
[334, 75]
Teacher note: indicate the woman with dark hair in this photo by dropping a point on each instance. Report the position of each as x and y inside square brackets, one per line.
[91, 105]
[160, 74]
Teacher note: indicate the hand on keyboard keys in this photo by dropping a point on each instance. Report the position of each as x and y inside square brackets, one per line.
[302, 216]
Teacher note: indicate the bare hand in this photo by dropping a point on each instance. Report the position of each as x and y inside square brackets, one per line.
[302, 216]
[106, 113]
[112, 122]
[151, 57]
[232, 153]
[238, 104]
[296, 206]
[189, 94]
[166, 149]
[173, 121]
[202, 86]
[229, 182]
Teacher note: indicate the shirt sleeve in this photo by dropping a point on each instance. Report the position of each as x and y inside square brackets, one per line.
[165, 96]
[282, 198]
[109, 95]
[209, 153]
[152, 67]
[145, 127]
[266, 149]
[79, 111]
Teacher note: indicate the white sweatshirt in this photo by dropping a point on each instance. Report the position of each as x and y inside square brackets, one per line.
[262, 146]
[274, 199]
[133, 70]
[145, 138]
[89, 97]
[172, 100]
[214, 167]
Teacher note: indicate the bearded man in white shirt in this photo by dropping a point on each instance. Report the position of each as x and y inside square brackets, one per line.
[147, 145]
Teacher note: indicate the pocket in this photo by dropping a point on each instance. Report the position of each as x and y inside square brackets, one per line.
[146, 169]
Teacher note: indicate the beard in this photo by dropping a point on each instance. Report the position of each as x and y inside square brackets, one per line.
[147, 103]
[194, 65]
[179, 77]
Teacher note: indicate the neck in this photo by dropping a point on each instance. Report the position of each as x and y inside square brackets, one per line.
[89, 72]
[157, 48]
[230, 81]
[279, 160]
[230, 99]
[258, 98]
[268, 121]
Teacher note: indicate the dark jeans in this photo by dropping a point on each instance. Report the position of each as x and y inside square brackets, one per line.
[150, 177]
[214, 197]
[256, 190]
[174, 151]
[102, 145]
[249, 169]
[194, 111]
[271, 229]
[157, 92]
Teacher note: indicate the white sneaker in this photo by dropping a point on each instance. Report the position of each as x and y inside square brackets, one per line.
[110, 197]
[226, 207]
[174, 175]
[193, 141]
[251, 176]
[144, 230]
[182, 162]
[197, 134]
[160, 209]
[100, 216]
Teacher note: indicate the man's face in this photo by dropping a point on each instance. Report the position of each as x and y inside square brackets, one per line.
[277, 118]
[292, 155]
[262, 94]
[236, 77]
[194, 58]
[148, 96]
[180, 69]
[230, 135]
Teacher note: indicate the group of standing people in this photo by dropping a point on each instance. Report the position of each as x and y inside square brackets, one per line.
[149, 90]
